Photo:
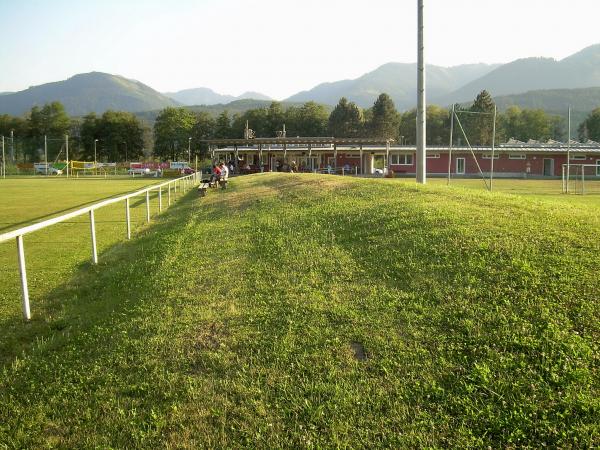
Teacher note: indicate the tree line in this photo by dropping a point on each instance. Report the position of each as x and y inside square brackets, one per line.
[122, 136]
[115, 135]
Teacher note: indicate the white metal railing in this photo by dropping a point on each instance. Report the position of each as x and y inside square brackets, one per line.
[183, 183]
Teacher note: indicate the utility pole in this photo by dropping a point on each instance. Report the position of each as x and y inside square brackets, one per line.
[95, 158]
[421, 106]
[3, 160]
[189, 151]
[67, 152]
[46, 153]
[451, 141]
[568, 153]
[12, 145]
[493, 149]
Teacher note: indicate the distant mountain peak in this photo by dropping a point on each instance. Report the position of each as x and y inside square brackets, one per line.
[88, 92]
[206, 96]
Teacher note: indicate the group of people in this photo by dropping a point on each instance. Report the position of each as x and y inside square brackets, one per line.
[220, 172]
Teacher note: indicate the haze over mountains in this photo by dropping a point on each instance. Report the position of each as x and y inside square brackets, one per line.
[529, 82]
[396, 79]
[206, 96]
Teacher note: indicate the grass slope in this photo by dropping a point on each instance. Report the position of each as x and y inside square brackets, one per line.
[317, 311]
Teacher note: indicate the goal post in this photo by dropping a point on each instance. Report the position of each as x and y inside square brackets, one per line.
[92, 168]
[581, 178]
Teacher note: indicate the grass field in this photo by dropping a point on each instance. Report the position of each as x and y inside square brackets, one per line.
[308, 311]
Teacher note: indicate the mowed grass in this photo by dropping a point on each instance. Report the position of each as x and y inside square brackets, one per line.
[26, 200]
[54, 254]
[306, 311]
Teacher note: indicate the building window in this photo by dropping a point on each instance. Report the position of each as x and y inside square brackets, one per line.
[250, 159]
[517, 156]
[460, 165]
[578, 157]
[489, 156]
[433, 155]
[403, 159]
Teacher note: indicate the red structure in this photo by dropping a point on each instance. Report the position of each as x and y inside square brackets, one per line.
[365, 156]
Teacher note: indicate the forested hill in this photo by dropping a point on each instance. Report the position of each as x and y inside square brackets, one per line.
[88, 92]
[581, 70]
[235, 107]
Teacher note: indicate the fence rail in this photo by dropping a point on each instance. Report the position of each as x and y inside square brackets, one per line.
[183, 183]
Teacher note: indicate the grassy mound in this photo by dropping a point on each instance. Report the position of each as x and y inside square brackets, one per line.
[316, 311]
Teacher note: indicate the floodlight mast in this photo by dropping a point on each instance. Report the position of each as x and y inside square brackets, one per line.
[421, 118]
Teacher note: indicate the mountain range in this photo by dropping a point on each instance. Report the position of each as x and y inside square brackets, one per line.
[206, 96]
[530, 82]
[398, 80]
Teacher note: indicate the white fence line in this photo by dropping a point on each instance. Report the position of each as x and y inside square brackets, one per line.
[184, 183]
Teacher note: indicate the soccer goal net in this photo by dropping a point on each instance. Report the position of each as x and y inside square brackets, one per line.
[92, 168]
[581, 179]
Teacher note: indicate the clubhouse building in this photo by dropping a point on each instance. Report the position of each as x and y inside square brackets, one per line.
[366, 156]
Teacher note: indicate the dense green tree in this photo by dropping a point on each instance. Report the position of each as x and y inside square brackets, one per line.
[204, 128]
[257, 121]
[345, 120]
[307, 121]
[50, 121]
[385, 120]
[172, 130]
[19, 127]
[223, 126]
[275, 119]
[120, 136]
[525, 124]
[438, 126]
[480, 125]
[590, 127]
[88, 132]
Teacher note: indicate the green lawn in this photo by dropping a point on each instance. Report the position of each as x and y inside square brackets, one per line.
[307, 311]
[25, 200]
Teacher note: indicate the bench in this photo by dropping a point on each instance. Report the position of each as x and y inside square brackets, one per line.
[202, 188]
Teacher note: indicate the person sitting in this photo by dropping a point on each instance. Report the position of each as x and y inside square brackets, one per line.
[216, 174]
[224, 174]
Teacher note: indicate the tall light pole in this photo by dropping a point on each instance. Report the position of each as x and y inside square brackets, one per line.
[189, 150]
[125, 142]
[95, 158]
[3, 160]
[67, 152]
[421, 117]
[46, 153]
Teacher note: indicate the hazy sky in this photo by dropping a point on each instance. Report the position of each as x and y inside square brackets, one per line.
[276, 47]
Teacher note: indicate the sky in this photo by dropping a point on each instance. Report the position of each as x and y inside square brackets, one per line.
[276, 47]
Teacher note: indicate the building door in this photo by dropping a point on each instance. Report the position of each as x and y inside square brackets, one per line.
[460, 166]
[548, 167]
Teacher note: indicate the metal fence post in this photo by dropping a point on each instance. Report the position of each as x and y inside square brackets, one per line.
[93, 232]
[147, 206]
[23, 272]
[160, 199]
[128, 218]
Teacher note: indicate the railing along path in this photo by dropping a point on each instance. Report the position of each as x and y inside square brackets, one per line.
[182, 183]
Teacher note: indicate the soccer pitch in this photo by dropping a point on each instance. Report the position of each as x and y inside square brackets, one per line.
[52, 254]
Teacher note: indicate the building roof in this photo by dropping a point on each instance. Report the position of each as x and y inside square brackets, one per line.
[297, 141]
